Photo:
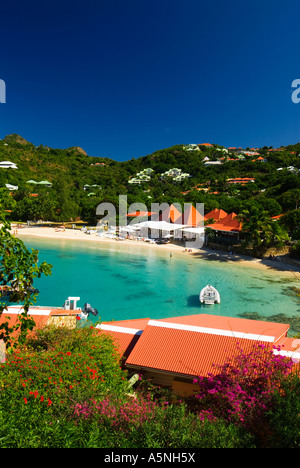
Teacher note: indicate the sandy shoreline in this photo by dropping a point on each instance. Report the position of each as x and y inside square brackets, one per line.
[175, 250]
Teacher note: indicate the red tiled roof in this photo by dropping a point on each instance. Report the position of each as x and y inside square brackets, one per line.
[141, 213]
[178, 346]
[40, 315]
[247, 326]
[40, 321]
[125, 333]
[170, 214]
[191, 217]
[229, 224]
[241, 180]
[216, 214]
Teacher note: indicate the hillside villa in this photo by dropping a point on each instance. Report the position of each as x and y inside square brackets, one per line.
[8, 165]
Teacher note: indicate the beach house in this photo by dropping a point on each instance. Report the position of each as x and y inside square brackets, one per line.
[229, 224]
[173, 351]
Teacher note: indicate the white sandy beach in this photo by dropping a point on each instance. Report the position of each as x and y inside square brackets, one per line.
[173, 249]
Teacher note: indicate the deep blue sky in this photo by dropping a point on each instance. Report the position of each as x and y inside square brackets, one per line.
[124, 78]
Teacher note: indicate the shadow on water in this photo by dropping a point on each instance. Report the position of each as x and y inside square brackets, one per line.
[138, 295]
[293, 293]
[221, 256]
[193, 300]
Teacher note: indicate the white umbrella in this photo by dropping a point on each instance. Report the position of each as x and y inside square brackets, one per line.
[128, 228]
[161, 225]
[198, 230]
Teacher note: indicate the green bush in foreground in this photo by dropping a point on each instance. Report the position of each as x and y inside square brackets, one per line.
[67, 389]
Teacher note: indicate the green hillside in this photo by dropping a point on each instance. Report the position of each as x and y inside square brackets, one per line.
[80, 182]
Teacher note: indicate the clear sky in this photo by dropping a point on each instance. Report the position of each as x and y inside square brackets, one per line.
[122, 78]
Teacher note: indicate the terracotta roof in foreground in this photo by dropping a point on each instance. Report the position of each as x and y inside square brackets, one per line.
[125, 333]
[193, 345]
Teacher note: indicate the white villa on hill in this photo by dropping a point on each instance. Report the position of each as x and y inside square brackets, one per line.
[142, 176]
[42, 182]
[8, 165]
[176, 174]
[11, 187]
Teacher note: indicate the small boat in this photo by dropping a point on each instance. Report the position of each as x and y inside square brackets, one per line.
[69, 308]
[6, 291]
[71, 304]
[209, 295]
[87, 310]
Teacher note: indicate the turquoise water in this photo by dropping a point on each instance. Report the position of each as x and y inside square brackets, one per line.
[137, 283]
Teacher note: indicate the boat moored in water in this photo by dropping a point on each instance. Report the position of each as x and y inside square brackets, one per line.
[209, 295]
[69, 308]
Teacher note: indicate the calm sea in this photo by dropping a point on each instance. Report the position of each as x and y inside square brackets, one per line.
[136, 283]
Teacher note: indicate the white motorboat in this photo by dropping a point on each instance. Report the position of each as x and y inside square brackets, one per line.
[209, 295]
[70, 305]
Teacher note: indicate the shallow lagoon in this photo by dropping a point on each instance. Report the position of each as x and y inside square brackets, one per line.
[136, 283]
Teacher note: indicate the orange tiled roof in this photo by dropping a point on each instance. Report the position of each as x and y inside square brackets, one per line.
[170, 214]
[216, 214]
[190, 217]
[192, 345]
[125, 333]
[258, 327]
[229, 224]
[140, 213]
[40, 315]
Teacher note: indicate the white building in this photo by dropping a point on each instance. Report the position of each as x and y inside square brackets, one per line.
[8, 165]
[212, 163]
[11, 187]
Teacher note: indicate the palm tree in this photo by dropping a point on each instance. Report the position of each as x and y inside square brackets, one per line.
[261, 232]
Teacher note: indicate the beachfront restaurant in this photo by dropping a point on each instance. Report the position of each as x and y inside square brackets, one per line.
[227, 230]
[170, 224]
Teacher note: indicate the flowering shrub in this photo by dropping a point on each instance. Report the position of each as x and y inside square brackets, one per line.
[73, 393]
[241, 390]
[86, 365]
[120, 415]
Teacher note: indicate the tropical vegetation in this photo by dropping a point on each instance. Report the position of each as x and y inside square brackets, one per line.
[80, 182]
[66, 389]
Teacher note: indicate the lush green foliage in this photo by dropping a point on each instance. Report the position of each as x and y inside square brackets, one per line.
[69, 170]
[18, 269]
[67, 389]
[261, 231]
